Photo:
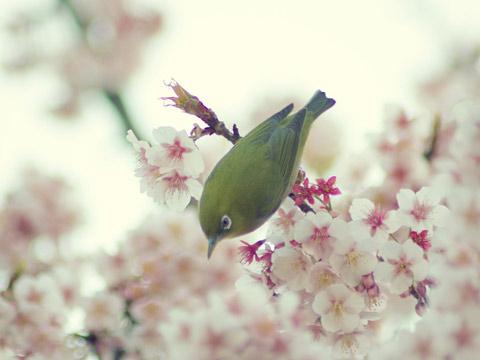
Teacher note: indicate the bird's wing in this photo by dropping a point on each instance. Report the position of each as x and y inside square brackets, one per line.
[284, 145]
[262, 133]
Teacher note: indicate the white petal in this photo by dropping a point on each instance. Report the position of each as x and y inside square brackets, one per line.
[330, 322]
[157, 156]
[185, 140]
[344, 245]
[321, 218]
[348, 322]
[354, 303]
[177, 200]
[383, 272]
[339, 229]
[193, 163]
[337, 262]
[365, 263]
[420, 270]
[164, 135]
[303, 229]
[339, 291]
[395, 220]
[441, 215]
[321, 303]
[428, 196]
[412, 250]
[361, 209]
[406, 199]
[360, 230]
[400, 283]
[194, 187]
[391, 250]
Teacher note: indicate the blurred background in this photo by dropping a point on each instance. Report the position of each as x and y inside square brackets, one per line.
[65, 73]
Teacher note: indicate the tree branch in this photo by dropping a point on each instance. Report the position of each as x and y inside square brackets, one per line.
[192, 105]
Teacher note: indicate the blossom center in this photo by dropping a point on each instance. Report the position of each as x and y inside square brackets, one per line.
[320, 234]
[176, 181]
[352, 258]
[420, 212]
[401, 266]
[337, 308]
[176, 150]
[375, 219]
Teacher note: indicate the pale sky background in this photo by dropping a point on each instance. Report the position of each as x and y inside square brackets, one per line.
[233, 55]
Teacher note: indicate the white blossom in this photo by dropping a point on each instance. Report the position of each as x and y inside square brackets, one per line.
[282, 224]
[349, 258]
[403, 265]
[312, 232]
[104, 312]
[291, 265]
[367, 217]
[339, 308]
[174, 150]
[419, 211]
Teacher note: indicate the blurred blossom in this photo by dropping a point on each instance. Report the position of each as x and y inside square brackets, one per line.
[41, 207]
[104, 57]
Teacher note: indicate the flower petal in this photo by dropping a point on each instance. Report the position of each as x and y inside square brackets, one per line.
[406, 199]
[361, 209]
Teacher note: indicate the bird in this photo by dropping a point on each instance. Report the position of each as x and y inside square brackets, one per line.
[249, 183]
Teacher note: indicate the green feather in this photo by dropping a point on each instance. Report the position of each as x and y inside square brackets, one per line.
[250, 182]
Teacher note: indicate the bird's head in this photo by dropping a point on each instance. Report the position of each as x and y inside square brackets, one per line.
[216, 225]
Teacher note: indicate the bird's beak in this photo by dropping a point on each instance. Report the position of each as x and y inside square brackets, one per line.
[212, 242]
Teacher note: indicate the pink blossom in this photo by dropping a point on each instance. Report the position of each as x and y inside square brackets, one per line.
[282, 224]
[326, 188]
[370, 218]
[419, 211]
[312, 232]
[104, 312]
[402, 267]
[174, 150]
[292, 266]
[168, 169]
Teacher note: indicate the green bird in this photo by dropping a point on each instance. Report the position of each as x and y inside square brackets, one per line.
[250, 182]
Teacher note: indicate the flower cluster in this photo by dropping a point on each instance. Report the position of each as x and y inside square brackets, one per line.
[322, 190]
[349, 273]
[39, 279]
[104, 57]
[160, 267]
[169, 167]
[33, 220]
[450, 329]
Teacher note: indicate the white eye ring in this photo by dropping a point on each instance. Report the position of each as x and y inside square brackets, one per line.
[226, 222]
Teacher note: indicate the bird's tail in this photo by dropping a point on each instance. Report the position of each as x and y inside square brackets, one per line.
[318, 104]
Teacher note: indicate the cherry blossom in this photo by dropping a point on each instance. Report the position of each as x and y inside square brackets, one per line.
[403, 265]
[420, 211]
[37, 294]
[282, 224]
[168, 168]
[371, 218]
[174, 150]
[104, 311]
[312, 232]
[339, 308]
[291, 266]
[350, 258]
[320, 277]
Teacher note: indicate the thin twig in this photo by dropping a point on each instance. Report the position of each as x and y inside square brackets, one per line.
[112, 96]
[192, 105]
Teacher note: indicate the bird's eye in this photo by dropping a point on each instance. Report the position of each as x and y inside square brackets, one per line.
[226, 222]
